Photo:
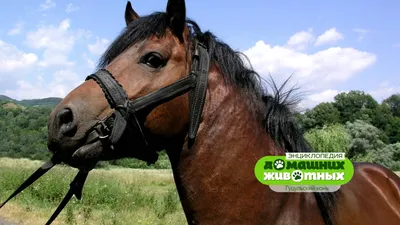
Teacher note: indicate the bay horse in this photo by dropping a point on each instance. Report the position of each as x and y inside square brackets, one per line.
[163, 84]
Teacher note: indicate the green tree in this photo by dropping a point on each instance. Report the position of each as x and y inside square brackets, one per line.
[332, 138]
[393, 102]
[321, 115]
[23, 133]
[354, 105]
[365, 139]
[389, 156]
[393, 130]
[381, 116]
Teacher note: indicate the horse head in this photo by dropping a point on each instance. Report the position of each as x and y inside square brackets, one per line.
[137, 103]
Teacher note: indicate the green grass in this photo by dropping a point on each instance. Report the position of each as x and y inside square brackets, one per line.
[110, 196]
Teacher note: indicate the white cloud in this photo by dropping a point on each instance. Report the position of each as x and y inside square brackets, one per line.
[319, 97]
[301, 40]
[16, 30]
[328, 37]
[396, 45]
[384, 90]
[90, 62]
[51, 37]
[99, 46]
[361, 32]
[57, 42]
[12, 59]
[324, 96]
[62, 83]
[47, 4]
[316, 74]
[54, 58]
[317, 71]
[26, 75]
[71, 8]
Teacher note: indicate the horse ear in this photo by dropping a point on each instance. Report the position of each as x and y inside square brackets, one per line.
[130, 14]
[176, 12]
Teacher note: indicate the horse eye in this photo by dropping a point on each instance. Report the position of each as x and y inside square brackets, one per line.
[153, 60]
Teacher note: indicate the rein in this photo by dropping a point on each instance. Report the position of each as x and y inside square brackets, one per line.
[110, 129]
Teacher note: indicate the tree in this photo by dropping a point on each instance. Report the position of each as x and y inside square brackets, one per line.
[23, 133]
[393, 130]
[332, 138]
[389, 156]
[365, 139]
[354, 105]
[381, 116]
[321, 115]
[393, 102]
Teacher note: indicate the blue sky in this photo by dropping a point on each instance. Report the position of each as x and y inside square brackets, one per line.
[47, 47]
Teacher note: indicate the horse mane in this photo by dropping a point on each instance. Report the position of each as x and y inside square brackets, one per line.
[277, 108]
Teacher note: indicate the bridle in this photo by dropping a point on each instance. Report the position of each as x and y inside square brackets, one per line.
[110, 130]
[125, 115]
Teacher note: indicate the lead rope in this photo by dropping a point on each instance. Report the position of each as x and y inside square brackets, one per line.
[115, 96]
[76, 186]
[36, 175]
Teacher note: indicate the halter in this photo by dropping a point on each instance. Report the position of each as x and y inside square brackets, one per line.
[125, 115]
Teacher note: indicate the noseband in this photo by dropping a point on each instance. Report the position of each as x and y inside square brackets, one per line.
[110, 130]
[113, 127]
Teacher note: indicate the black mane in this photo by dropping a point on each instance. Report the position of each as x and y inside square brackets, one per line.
[277, 113]
[278, 118]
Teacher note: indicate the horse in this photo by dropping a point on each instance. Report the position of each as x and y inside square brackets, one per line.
[164, 84]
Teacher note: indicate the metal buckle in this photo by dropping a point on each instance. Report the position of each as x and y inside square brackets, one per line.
[100, 130]
[100, 134]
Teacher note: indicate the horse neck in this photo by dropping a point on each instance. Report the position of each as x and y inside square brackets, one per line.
[219, 166]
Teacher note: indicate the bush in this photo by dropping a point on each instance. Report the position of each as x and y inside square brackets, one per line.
[365, 139]
[162, 162]
[333, 138]
[389, 156]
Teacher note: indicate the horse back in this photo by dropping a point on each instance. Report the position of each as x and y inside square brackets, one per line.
[371, 197]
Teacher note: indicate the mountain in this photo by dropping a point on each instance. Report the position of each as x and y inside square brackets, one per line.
[5, 98]
[52, 101]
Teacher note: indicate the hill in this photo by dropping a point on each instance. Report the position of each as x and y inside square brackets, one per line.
[52, 101]
[6, 98]
[23, 133]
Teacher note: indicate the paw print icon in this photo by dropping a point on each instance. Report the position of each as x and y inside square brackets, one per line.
[297, 176]
[279, 164]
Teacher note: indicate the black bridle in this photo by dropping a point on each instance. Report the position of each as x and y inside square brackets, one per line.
[125, 114]
[110, 129]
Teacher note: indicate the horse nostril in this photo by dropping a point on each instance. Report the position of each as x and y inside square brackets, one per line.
[65, 118]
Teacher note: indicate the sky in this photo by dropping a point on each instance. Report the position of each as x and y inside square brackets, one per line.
[48, 47]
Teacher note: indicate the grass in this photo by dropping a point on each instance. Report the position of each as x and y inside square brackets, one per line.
[110, 196]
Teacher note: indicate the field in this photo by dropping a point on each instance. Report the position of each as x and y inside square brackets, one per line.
[110, 196]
